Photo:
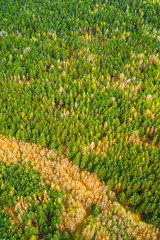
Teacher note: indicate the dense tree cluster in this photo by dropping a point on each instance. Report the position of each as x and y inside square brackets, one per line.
[7, 228]
[35, 206]
[90, 209]
[83, 77]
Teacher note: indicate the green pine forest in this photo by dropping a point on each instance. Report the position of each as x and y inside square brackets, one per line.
[82, 78]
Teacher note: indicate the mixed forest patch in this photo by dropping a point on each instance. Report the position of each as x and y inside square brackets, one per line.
[31, 174]
[82, 78]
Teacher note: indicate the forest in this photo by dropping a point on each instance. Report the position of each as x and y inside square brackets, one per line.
[80, 111]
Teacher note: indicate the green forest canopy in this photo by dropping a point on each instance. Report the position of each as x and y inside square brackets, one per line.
[83, 77]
